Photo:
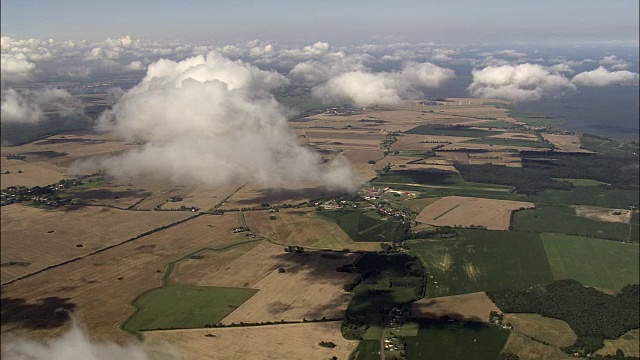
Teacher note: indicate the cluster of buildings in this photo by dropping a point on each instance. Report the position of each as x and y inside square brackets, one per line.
[44, 195]
[335, 204]
[341, 111]
[374, 193]
[392, 342]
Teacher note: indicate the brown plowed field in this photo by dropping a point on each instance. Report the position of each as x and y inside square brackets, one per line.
[302, 227]
[47, 237]
[100, 288]
[310, 287]
[471, 307]
[566, 143]
[38, 173]
[467, 211]
[269, 342]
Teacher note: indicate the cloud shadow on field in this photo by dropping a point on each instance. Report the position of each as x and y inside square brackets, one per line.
[104, 194]
[46, 313]
[276, 195]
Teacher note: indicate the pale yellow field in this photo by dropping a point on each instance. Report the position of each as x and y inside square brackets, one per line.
[603, 214]
[75, 146]
[629, 343]
[466, 211]
[302, 227]
[242, 271]
[269, 342]
[38, 173]
[424, 142]
[566, 143]
[48, 237]
[394, 161]
[471, 307]
[515, 136]
[200, 271]
[528, 349]
[359, 162]
[100, 287]
[310, 287]
[553, 331]
[434, 166]
[452, 156]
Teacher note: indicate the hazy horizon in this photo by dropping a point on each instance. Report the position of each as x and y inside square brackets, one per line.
[464, 22]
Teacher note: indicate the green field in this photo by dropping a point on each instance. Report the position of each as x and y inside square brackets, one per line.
[438, 183]
[456, 341]
[482, 260]
[608, 146]
[589, 195]
[593, 262]
[535, 119]
[635, 227]
[581, 182]
[562, 219]
[497, 125]
[365, 226]
[368, 350]
[386, 281]
[449, 131]
[508, 142]
[184, 307]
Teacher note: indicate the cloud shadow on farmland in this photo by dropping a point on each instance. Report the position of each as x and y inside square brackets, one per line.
[46, 313]
[439, 314]
[318, 266]
[104, 194]
[279, 195]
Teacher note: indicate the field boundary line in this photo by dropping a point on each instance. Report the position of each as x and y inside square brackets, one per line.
[139, 236]
[445, 213]
[165, 282]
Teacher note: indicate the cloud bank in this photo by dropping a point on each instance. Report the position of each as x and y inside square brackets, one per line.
[365, 88]
[29, 106]
[518, 83]
[15, 108]
[15, 67]
[74, 344]
[209, 120]
[604, 77]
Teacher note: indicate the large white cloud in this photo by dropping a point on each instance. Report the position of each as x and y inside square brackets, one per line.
[209, 120]
[365, 88]
[29, 106]
[615, 63]
[604, 77]
[75, 344]
[524, 82]
[15, 67]
[15, 108]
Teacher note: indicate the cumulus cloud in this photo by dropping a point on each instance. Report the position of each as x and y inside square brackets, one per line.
[29, 106]
[209, 120]
[615, 63]
[15, 108]
[15, 67]
[524, 82]
[365, 88]
[313, 72]
[75, 344]
[604, 77]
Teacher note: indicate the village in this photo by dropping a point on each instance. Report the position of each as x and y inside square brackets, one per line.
[42, 195]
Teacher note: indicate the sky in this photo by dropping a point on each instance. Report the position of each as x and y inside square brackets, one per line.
[459, 22]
